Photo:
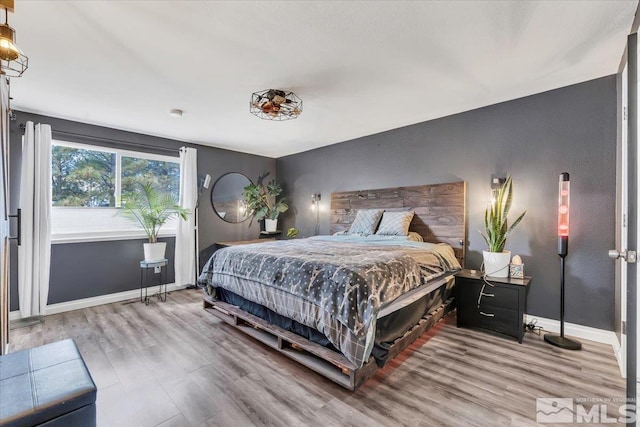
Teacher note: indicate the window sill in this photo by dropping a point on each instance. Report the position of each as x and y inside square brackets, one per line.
[104, 236]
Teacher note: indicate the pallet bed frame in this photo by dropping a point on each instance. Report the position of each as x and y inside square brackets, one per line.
[328, 363]
[440, 216]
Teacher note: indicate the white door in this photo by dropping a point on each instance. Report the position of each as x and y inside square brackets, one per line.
[632, 218]
[621, 221]
[628, 219]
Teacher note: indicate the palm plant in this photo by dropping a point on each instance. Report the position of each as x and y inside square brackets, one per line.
[496, 228]
[151, 209]
[262, 200]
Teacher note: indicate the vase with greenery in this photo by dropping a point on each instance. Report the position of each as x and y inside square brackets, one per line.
[262, 201]
[151, 208]
[293, 232]
[497, 229]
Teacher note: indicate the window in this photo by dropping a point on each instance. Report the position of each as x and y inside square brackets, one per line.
[164, 174]
[88, 183]
[83, 177]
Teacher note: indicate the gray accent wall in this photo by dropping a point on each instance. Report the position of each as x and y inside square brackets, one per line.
[82, 270]
[571, 129]
[114, 267]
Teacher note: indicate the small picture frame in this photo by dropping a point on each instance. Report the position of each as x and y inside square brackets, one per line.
[516, 271]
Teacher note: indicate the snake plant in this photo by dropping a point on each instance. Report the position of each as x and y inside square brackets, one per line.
[496, 228]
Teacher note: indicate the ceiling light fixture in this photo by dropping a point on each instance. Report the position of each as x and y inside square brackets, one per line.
[13, 62]
[275, 104]
[175, 113]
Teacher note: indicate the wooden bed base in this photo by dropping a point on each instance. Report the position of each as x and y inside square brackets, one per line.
[439, 216]
[331, 364]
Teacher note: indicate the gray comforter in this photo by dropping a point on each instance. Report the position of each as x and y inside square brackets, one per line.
[336, 285]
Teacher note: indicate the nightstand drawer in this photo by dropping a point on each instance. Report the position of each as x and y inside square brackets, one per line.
[499, 296]
[496, 296]
[498, 308]
[497, 319]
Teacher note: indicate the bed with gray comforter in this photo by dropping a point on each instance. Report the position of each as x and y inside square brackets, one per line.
[335, 284]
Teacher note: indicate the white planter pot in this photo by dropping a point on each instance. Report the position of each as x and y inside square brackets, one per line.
[270, 225]
[154, 251]
[496, 264]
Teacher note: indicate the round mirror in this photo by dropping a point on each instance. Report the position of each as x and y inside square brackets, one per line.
[226, 197]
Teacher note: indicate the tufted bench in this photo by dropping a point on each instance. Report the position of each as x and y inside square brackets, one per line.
[47, 385]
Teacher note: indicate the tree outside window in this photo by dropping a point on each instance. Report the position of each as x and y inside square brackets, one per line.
[82, 177]
[88, 177]
[165, 176]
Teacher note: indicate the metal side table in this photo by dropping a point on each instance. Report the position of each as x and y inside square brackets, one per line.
[158, 268]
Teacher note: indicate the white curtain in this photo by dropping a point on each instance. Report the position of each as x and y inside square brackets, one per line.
[34, 254]
[185, 254]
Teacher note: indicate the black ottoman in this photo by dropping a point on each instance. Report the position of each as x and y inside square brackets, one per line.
[48, 385]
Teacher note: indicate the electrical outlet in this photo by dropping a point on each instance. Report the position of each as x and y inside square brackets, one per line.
[157, 269]
[497, 181]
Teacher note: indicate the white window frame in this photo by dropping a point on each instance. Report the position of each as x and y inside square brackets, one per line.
[82, 214]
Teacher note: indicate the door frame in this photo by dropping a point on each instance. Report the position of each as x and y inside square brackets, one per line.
[621, 220]
[632, 217]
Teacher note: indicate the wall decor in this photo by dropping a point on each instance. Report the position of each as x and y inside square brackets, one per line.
[227, 199]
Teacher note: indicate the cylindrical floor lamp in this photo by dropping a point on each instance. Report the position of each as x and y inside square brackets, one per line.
[203, 186]
[563, 249]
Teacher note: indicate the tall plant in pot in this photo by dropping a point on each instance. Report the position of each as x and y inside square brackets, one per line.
[263, 201]
[496, 231]
[150, 208]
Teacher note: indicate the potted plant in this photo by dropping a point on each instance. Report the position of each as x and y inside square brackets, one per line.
[496, 231]
[262, 201]
[151, 209]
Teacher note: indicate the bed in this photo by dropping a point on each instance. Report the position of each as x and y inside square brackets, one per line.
[343, 305]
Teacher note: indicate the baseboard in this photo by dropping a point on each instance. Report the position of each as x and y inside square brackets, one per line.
[617, 349]
[584, 332]
[93, 301]
[575, 330]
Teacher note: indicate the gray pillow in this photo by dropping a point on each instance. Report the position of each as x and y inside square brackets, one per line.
[366, 222]
[395, 224]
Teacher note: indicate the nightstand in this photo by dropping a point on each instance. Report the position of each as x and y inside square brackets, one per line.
[497, 304]
[269, 234]
[245, 242]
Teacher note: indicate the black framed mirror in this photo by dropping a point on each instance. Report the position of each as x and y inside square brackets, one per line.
[226, 197]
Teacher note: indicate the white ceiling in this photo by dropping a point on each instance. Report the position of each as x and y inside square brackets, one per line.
[360, 67]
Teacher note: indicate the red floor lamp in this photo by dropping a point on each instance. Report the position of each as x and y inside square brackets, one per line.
[563, 248]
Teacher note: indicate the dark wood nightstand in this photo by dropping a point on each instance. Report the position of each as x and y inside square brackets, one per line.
[245, 242]
[497, 304]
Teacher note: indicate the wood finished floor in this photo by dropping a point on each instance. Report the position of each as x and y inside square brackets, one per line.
[173, 364]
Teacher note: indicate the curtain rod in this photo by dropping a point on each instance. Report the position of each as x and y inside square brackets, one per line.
[111, 140]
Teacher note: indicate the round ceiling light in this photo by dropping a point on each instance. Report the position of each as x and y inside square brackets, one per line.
[176, 112]
[275, 104]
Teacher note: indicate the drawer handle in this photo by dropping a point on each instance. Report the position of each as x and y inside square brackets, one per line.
[482, 294]
[487, 314]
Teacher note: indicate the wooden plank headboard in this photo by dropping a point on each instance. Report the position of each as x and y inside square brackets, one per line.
[440, 211]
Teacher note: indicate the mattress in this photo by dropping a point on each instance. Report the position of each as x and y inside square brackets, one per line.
[335, 285]
[389, 328]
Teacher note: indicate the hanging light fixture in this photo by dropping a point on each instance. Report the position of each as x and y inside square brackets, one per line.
[275, 104]
[13, 62]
